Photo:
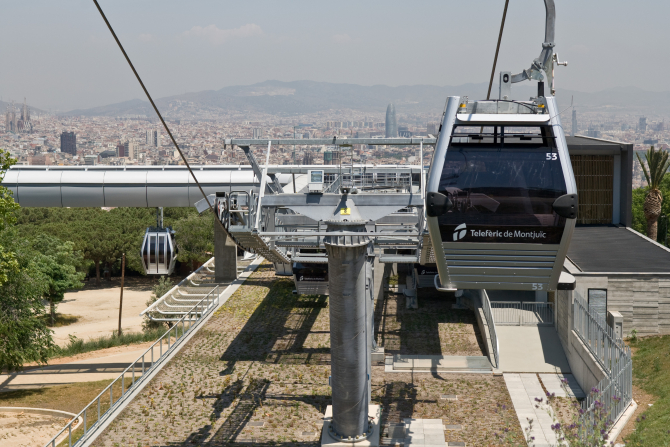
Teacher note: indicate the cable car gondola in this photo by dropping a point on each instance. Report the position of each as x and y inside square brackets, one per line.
[311, 278]
[159, 251]
[424, 275]
[501, 196]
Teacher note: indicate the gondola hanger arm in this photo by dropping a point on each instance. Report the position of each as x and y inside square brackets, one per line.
[545, 60]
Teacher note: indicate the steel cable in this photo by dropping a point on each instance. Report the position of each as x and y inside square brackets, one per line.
[495, 59]
[132, 67]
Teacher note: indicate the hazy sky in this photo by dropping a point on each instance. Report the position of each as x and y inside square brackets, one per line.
[60, 54]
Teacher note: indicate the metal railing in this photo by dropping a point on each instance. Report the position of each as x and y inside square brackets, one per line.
[598, 337]
[610, 398]
[522, 313]
[107, 401]
[153, 310]
[486, 308]
[614, 393]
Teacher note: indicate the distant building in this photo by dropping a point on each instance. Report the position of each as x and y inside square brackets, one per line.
[130, 150]
[18, 123]
[391, 122]
[40, 159]
[11, 122]
[574, 122]
[431, 128]
[257, 133]
[642, 125]
[332, 157]
[68, 143]
[120, 150]
[308, 158]
[593, 133]
[153, 138]
[91, 160]
[403, 131]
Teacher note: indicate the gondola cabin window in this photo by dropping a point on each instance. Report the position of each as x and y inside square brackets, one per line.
[502, 182]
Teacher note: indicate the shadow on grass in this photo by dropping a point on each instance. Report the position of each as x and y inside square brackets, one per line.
[277, 330]
[417, 331]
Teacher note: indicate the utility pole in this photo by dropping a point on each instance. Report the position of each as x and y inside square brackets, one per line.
[123, 274]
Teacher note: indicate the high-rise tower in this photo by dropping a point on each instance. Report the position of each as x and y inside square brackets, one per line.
[68, 143]
[574, 122]
[391, 122]
[153, 138]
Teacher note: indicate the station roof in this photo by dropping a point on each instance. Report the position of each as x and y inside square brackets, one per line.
[587, 145]
[616, 249]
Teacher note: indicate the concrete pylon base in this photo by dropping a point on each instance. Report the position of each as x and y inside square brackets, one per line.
[374, 412]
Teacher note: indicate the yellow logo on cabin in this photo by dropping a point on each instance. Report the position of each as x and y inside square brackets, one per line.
[345, 211]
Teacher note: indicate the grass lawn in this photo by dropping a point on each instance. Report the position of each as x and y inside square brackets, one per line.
[60, 319]
[651, 372]
[78, 346]
[72, 398]
[257, 373]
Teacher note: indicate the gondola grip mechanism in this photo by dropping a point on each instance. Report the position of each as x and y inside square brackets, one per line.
[437, 204]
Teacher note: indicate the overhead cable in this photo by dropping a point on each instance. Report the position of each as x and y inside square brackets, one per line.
[132, 67]
[495, 59]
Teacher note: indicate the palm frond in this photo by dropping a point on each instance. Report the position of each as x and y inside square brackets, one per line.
[644, 168]
[656, 167]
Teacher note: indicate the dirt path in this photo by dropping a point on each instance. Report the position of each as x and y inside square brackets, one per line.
[98, 309]
[22, 429]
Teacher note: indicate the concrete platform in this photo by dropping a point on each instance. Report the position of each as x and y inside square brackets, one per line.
[531, 349]
[374, 412]
[438, 363]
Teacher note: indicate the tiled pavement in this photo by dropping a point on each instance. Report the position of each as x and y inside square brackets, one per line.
[523, 389]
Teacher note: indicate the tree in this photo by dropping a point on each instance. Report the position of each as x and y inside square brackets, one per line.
[58, 262]
[7, 218]
[195, 238]
[23, 335]
[654, 172]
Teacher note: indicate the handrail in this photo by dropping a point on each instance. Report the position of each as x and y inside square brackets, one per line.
[486, 308]
[519, 313]
[615, 391]
[192, 317]
[598, 337]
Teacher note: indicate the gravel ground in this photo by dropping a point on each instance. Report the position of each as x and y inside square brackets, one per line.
[258, 373]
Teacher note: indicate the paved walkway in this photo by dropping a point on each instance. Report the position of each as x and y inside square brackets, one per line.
[424, 432]
[552, 382]
[524, 389]
[531, 349]
[88, 370]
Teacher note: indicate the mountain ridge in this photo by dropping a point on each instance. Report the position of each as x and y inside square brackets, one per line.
[298, 97]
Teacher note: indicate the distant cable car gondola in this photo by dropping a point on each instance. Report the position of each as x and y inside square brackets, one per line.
[501, 195]
[311, 279]
[159, 250]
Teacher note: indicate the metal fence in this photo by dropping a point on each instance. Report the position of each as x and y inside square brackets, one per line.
[522, 313]
[486, 308]
[598, 337]
[614, 393]
[101, 408]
